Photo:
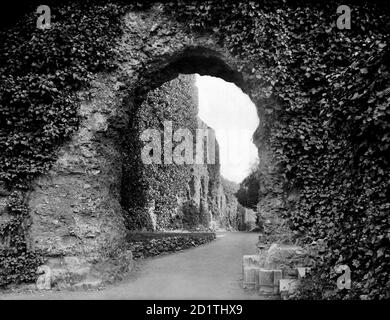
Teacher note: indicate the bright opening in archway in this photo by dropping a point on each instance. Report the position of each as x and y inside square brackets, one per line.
[230, 112]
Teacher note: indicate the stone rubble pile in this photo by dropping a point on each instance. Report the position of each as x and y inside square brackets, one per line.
[276, 270]
[74, 273]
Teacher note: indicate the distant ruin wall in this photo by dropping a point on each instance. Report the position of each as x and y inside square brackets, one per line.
[165, 196]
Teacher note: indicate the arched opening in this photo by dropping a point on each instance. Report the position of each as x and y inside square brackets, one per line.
[169, 195]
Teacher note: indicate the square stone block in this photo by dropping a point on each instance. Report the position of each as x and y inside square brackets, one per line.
[269, 281]
[266, 277]
[278, 274]
[250, 275]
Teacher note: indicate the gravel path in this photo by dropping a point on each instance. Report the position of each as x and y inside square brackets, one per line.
[211, 271]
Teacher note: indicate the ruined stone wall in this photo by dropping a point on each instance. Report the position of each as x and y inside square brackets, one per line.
[75, 208]
[291, 72]
[232, 209]
[165, 196]
[78, 208]
[151, 193]
[224, 206]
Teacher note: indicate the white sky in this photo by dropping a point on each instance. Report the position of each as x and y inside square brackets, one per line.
[233, 116]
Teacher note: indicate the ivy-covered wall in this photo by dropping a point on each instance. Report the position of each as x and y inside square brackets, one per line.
[166, 196]
[328, 131]
[40, 73]
[152, 193]
[322, 97]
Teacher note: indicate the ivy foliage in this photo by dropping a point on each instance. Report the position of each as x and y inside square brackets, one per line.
[159, 186]
[329, 127]
[40, 72]
[249, 191]
[232, 218]
[17, 264]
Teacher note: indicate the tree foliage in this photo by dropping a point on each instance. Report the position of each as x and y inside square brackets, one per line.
[248, 193]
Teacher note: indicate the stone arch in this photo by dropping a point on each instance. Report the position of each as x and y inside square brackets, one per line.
[75, 208]
[190, 60]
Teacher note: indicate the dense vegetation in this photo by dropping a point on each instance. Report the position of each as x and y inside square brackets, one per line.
[160, 185]
[233, 206]
[249, 191]
[40, 72]
[153, 244]
[329, 127]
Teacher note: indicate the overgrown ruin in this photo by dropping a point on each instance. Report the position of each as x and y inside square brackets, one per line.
[320, 93]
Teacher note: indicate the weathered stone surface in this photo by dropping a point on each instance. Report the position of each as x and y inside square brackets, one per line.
[266, 277]
[251, 274]
[278, 274]
[284, 257]
[269, 281]
[75, 272]
[76, 207]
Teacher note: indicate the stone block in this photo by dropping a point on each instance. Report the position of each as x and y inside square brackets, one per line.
[268, 283]
[250, 275]
[266, 277]
[278, 274]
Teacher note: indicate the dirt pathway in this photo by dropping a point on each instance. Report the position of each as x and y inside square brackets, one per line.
[211, 271]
